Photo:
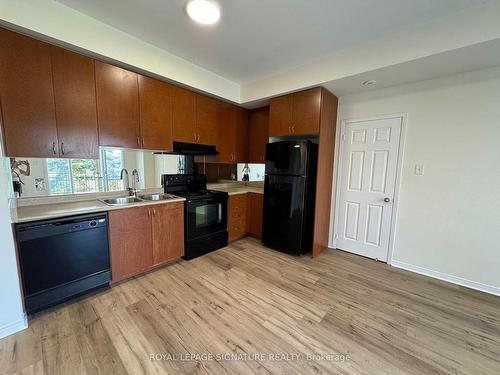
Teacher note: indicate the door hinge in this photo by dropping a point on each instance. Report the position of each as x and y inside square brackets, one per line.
[336, 235]
[343, 136]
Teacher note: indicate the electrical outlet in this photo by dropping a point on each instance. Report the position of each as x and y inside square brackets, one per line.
[419, 169]
[40, 184]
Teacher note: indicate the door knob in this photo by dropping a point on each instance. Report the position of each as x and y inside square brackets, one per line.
[387, 200]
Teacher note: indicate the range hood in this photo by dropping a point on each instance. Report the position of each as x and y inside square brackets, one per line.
[181, 148]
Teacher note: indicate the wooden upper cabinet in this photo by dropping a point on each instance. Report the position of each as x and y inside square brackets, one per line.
[233, 134]
[130, 240]
[155, 103]
[258, 135]
[306, 111]
[27, 96]
[241, 135]
[168, 232]
[117, 106]
[74, 91]
[295, 114]
[280, 116]
[183, 115]
[224, 145]
[207, 119]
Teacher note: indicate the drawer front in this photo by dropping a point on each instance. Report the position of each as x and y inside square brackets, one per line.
[237, 228]
[237, 223]
[238, 204]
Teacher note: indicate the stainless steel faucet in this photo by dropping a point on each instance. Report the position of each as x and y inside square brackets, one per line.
[135, 181]
[126, 183]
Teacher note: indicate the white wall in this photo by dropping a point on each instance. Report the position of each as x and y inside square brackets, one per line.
[65, 24]
[416, 41]
[448, 221]
[12, 318]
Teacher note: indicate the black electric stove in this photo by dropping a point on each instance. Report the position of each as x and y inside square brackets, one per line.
[205, 213]
[200, 194]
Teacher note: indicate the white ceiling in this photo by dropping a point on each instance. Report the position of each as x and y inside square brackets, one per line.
[256, 38]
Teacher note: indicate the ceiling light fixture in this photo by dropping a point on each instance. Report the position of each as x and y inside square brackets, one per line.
[205, 12]
[370, 82]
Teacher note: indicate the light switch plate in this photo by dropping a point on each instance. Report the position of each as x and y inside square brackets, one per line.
[419, 169]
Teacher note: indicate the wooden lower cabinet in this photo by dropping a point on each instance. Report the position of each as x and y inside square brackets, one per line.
[245, 215]
[168, 232]
[130, 241]
[144, 237]
[254, 214]
[237, 216]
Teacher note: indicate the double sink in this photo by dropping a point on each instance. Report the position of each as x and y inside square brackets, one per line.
[121, 201]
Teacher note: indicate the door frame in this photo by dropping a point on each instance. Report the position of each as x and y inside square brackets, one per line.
[337, 173]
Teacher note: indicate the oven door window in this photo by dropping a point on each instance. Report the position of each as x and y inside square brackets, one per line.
[208, 215]
[205, 218]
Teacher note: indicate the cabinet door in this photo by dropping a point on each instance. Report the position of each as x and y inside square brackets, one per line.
[241, 135]
[74, 92]
[280, 116]
[254, 214]
[233, 134]
[168, 232]
[131, 242]
[117, 106]
[27, 96]
[207, 119]
[183, 115]
[306, 111]
[226, 144]
[258, 130]
[237, 218]
[155, 104]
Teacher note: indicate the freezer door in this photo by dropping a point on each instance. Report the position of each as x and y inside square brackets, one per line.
[283, 218]
[287, 158]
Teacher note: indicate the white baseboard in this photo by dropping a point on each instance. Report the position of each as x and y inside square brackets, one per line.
[14, 327]
[445, 277]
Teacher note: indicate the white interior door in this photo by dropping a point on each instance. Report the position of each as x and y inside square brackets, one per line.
[368, 178]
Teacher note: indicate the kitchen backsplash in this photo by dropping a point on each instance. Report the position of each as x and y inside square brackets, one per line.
[75, 176]
[216, 171]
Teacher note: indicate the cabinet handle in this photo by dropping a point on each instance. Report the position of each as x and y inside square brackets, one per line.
[143, 141]
[54, 150]
[149, 213]
[154, 211]
[138, 141]
[62, 148]
[195, 136]
[293, 128]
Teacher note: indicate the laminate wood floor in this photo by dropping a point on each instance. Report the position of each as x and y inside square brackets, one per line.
[252, 309]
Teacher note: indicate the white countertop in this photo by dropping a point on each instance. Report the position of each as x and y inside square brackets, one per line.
[54, 207]
[54, 210]
[236, 188]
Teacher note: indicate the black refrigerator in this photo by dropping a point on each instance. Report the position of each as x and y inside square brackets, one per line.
[289, 196]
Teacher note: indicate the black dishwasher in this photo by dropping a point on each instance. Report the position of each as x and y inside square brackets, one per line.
[62, 258]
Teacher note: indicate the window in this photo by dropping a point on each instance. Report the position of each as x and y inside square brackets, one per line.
[59, 175]
[67, 176]
[112, 166]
